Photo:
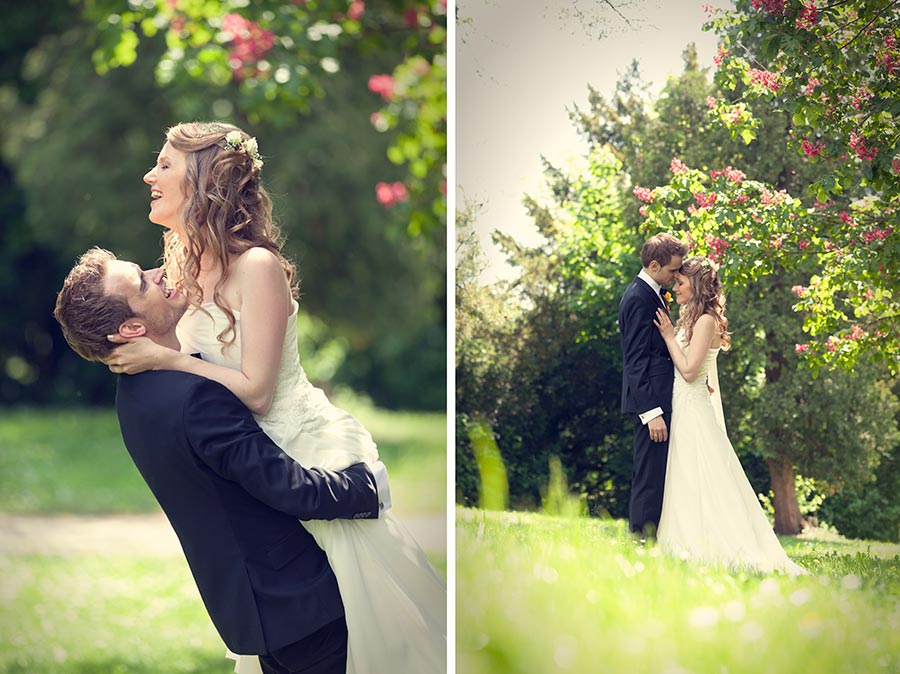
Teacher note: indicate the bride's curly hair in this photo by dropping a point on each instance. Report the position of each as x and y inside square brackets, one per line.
[227, 211]
[707, 297]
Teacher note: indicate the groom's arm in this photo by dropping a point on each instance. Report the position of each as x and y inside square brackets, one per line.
[636, 334]
[225, 436]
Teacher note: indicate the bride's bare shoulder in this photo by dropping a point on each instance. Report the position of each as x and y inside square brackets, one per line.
[710, 321]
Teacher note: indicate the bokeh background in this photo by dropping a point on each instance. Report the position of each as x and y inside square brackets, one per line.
[366, 230]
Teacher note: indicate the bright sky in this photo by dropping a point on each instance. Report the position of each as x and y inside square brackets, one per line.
[519, 65]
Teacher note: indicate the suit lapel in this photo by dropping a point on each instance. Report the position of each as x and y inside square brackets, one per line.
[648, 292]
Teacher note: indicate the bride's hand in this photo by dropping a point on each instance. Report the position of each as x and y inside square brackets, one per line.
[136, 355]
[664, 323]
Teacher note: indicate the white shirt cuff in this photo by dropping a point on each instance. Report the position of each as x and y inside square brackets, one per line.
[652, 414]
[379, 470]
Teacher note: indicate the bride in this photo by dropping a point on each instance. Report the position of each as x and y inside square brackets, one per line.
[223, 251]
[710, 512]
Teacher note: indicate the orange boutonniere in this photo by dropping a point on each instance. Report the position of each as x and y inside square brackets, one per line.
[667, 296]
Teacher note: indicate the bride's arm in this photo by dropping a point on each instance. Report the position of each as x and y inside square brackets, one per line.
[701, 339]
[265, 301]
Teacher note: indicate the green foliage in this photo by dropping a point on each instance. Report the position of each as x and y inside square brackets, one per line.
[278, 57]
[556, 500]
[594, 599]
[536, 359]
[809, 497]
[494, 491]
[832, 71]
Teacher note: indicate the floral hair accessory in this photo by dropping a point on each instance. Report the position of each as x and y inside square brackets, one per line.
[709, 264]
[234, 143]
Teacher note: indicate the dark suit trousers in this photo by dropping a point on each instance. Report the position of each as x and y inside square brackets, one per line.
[322, 652]
[648, 477]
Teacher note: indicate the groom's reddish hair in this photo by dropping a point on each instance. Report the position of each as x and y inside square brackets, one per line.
[662, 247]
[85, 312]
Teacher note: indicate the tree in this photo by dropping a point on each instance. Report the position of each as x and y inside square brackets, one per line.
[277, 56]
[832, 70]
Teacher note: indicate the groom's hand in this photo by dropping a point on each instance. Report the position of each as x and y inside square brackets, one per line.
[658, 430]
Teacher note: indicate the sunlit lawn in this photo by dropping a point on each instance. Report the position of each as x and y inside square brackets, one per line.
[139, 614]
[538, 594]
[74, 461]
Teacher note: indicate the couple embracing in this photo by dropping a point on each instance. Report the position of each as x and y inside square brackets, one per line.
[278, 498]
[688, 490]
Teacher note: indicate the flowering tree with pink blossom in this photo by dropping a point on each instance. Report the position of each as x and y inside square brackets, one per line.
[834, 68]
[278, 54]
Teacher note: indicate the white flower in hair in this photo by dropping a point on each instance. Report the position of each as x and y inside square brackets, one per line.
[234, 143]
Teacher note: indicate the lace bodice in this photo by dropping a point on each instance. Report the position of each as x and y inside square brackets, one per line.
[301, 419]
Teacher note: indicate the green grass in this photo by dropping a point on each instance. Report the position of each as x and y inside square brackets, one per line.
[539, 594]
[133, 614]
[92, 615]
[74, 461]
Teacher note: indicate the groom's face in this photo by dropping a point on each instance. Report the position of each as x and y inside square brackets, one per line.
[665, 274]
[157, 305]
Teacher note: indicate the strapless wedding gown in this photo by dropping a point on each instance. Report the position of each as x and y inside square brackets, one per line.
[710, 511]
[394, 600]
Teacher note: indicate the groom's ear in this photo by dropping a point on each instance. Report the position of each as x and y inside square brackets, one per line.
[132, 328]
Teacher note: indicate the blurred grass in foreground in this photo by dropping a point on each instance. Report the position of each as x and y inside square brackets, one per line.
[104, 615]
[73, 460]
[541, 594]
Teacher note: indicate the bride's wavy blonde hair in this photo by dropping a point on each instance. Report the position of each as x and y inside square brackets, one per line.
[227, 211]
[707, 297]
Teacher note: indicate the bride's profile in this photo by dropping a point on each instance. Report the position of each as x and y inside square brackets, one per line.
[710, 512]
[223, 251]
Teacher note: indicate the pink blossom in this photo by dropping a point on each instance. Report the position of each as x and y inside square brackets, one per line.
[731, 174]
[810, 87]
[677, 167]
[250, 43]
[773, 7]
[895, 163]
[801, 348]
[389, 194]
[776, 242]
[705, 200]
[808, 17]
[643, 211]
[411, 17]
[717, 246]
[799, 291]
[863, 151]
[804, 244]
[719, 58]
[383, 85]
[711, 102]
[356, 10]
[770, 198]
[857, 333]
[766, 78]
[847, 219]
[831, 344]
[643, 193]
[812, 150]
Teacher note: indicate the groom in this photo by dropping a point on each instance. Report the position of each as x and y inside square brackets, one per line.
[647, 379]
[232, 496]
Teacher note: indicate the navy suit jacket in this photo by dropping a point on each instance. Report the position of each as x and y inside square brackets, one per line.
[234, 500]
[648, 374]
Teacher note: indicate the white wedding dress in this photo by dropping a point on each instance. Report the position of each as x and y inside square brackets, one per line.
[710, 512]
[394, 600]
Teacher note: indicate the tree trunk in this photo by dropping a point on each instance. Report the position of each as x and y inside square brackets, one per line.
[787, 510]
